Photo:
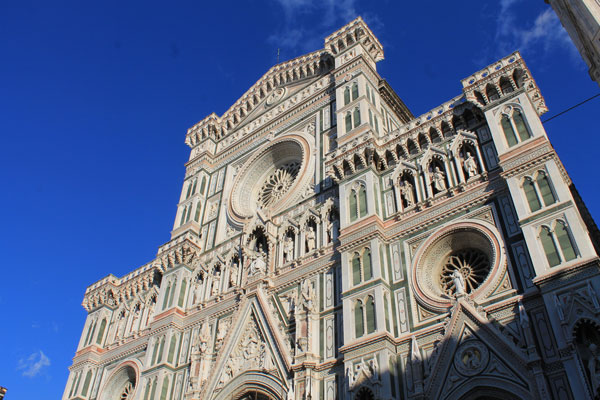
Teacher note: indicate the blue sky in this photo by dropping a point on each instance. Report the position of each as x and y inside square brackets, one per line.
[96, 98]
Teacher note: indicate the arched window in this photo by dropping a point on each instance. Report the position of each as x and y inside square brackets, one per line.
[194, 187]
[356, 270]
[564, 241]
[165, 388]
[376, 124]
[479, 98]
[86, 383]
[348, 122]
[189, 190]
[356, 117]
[505, 85]
[89, 332]
[161, 349]
[549, 246]
[346, 95]
[189, 213]
[386, 311]
[362, 201]
[155, 351]
[359, 327]
[182, 293]
[172, 349]
[93, 331]
[370, 314]
[172, 295]
[531, 194]
[545, 189]
[153, 389]
[370, 117]
[147, 391]
[434, 137]
[183, 213]
[519, 121]
[446, 130]
[354, 91]
[423, 143]
[513, 124]
[166, 299]
[491, 92]
[353, 205]
[197, 214]
[367, 266]
[509, 132]
[77, 384]
[73, 383]
[203, 185]
[101, 331]
[412, 147]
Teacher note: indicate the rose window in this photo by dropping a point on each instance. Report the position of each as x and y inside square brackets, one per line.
[472, 264]
[127, 392]
[278, 183]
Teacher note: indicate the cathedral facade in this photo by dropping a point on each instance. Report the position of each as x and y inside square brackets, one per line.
[329, 244]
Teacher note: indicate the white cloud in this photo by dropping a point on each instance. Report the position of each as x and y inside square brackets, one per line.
[545, 33]
[33, 364]
[324, 17]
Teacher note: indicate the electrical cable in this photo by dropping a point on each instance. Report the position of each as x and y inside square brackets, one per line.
[570, 108]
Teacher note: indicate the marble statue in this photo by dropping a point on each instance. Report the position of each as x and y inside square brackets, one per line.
[459, 282]
[310, 239]
[470, 165]
[439, 179]
[407, 193]
[288, 249]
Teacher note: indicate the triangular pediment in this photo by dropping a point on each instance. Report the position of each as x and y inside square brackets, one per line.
[253, 345]
[472, 349]
[280, 95]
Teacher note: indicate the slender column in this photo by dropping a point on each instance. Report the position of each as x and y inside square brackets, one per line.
[452, 181]
[459, 168]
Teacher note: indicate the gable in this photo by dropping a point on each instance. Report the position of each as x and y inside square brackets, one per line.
[252, 347]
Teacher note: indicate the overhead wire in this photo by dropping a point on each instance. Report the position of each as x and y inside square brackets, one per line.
[570, 108]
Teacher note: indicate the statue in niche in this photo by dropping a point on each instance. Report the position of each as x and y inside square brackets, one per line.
[329, 230]
[198, 291]
[310, 239]
[374, 370]
[258, 264]
[233, 274]
[459, 282]
[407, 193]
[288, 249]
[215, 284]
[307, 296]
[470, 165]
[350, 377]
[151, 310]
[439, 179]
[134, 318]
[221, 332]
[201, 345]
[122, 320]
[593, 367]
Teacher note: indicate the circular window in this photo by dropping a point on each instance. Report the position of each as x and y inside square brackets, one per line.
[472, 264]
[272, 178]
[278, 183]
[465, 254]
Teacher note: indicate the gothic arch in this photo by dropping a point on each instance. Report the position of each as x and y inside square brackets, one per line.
[126, 377]
[489, 388]
[259, 382]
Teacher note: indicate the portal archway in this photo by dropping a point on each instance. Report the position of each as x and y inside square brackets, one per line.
[251, 384]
